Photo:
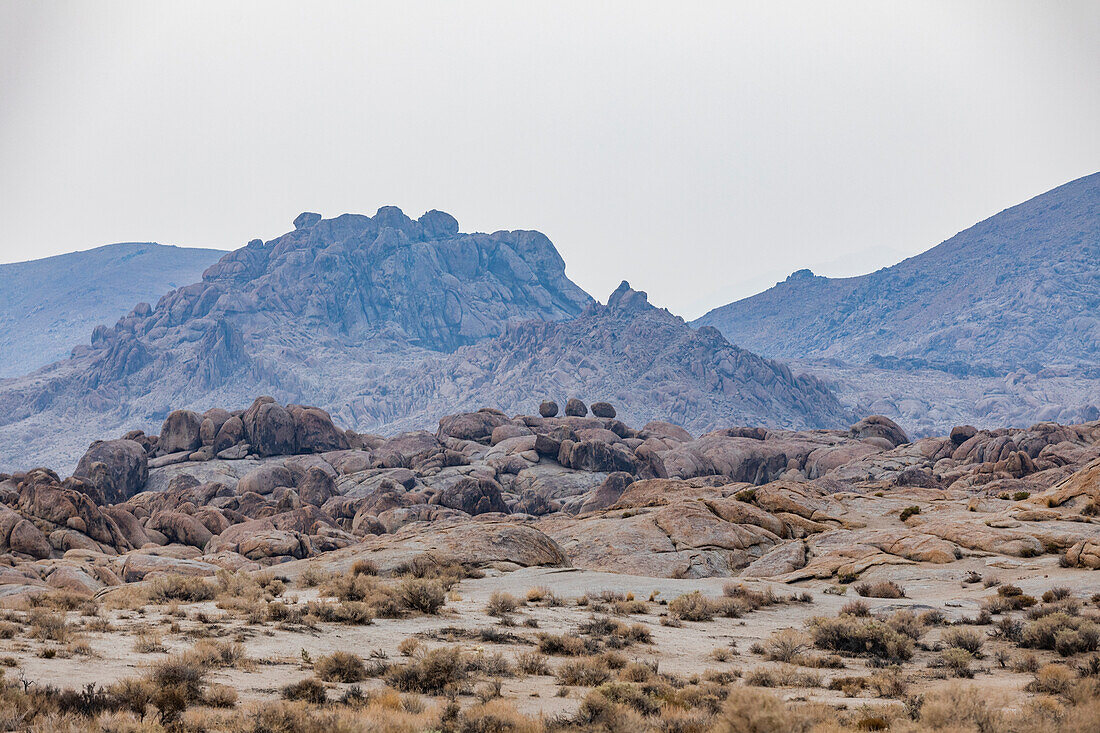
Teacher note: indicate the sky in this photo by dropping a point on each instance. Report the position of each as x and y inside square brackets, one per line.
[700, 150]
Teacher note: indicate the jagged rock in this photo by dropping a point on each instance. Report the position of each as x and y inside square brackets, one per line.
[575, 408]
[180, 432]
[125, 468]
[603, 409]
[548, 408]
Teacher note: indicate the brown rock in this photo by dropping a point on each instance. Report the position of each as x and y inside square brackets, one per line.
[548, 408]
[575, 408]
[125, 468]
[603, 409]
[180, 432]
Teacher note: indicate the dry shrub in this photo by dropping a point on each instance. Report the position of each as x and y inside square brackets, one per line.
[1068, 635]
[340, 667]
[562, 645]
[785, 645]
[532, 663]
[310, 690]
[753, 710]
[960, 708]
[364, 567]
[857, 635]
[880, 589]
[501, 603]
[423, 595]
[692, 606]
[186, 588]
[49, 626]
[584, 672]
[957, 660]
[966, 639]
[889, 683]
[436, 671]
[149, 642]
[408, 646]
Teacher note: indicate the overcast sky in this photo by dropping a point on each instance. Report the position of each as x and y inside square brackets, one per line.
[700, 150]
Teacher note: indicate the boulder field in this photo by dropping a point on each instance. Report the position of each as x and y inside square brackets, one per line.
[272, 484]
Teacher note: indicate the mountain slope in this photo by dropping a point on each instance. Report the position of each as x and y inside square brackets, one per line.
[1020, 289]
[645, 360]
[391, 323]
[48, 305]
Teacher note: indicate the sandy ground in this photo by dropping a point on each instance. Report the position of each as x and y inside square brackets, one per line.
[683, 651]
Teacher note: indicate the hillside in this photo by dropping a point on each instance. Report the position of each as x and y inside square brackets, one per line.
[48, 305]
[1018, 290]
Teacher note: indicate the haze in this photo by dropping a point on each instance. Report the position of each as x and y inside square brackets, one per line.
[702, 151]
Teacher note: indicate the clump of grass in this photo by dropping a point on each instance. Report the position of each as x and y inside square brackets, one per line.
[908, 511]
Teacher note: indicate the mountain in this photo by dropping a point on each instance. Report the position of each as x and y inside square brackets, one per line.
[646, 360]
[389, 323]
[1020, 289]
[48, 305]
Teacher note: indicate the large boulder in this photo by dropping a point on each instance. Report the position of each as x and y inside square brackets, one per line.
[575, 408]
[270, 429]
[212, 421]
[548, 408]
[317, 487]
[180, 432]
[315, 431]
[603, 409]
[879, 426]
[473, 496]
[27, 539]
[229, 434]
[122, 471]
[265, 479]
[477, 426]
[181, 528]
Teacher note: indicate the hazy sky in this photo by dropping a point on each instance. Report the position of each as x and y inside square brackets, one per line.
[700, 150]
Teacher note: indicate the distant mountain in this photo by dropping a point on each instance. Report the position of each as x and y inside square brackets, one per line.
[48, 305]
[1018, 290]
[647, 361]
[999, 325]
[391, 323]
